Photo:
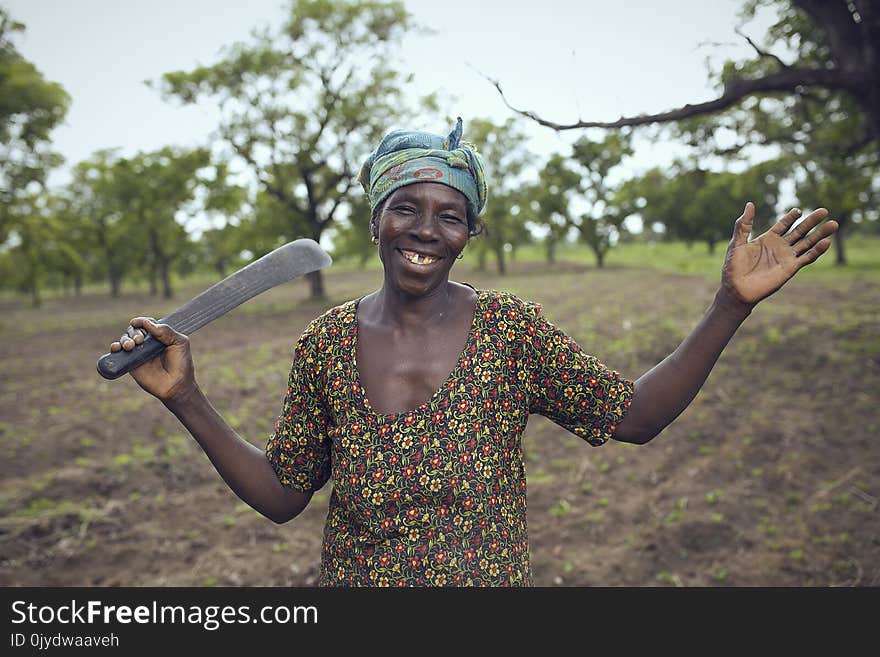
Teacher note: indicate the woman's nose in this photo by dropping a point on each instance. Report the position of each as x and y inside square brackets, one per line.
[426, 226]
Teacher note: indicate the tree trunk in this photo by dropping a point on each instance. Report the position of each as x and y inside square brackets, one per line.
[499, 257]
[316, 280]
[154, 281]
[165, 265]
[220, 266]
[482, 256]
[78, 285]
[711, 245]
[837, 240]
[115, 284]
[551, 251]
[36, 302]
[600, 257]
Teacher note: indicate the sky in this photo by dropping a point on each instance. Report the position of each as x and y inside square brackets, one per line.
[564, 59]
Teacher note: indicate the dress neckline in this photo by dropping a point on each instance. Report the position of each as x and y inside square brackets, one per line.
[356, 375]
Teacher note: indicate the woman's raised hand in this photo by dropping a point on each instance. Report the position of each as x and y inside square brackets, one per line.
[171, 375]
[753, 270]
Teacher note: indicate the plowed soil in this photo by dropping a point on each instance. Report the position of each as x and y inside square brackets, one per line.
[770, 478]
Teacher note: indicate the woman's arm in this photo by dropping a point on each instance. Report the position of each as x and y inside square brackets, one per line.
[245, 468]
[753, 270]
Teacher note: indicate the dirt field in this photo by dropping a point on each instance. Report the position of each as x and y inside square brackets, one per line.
[771, 477]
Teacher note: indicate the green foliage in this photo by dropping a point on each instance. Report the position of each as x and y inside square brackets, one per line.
[826, 134]
[503, 150]
[549, 201]
[97, 201]
[302, 106]
[609, 206]
[129, 213]
[699, 205]
[30, 108]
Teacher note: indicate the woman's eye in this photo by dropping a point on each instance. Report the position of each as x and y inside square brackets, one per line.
[451, 218]
[404, 209]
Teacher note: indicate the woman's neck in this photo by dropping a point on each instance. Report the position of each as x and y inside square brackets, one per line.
[390, 306]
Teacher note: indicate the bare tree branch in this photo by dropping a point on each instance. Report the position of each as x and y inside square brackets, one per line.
[763, 53]
[790, 79]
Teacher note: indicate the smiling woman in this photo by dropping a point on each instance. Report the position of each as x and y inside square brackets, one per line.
[414, 398]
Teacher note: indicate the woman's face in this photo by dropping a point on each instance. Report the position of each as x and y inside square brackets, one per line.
[422, 229]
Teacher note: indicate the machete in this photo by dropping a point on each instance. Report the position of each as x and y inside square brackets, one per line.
[294, 259]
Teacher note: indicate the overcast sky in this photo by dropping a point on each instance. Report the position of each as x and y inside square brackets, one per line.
[562, 58]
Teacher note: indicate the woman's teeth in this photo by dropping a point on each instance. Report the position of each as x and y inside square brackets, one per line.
[418, 258]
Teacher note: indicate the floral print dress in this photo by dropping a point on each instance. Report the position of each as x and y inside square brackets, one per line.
[436, 496]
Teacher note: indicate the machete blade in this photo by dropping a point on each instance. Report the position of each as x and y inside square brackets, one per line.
[285, 263]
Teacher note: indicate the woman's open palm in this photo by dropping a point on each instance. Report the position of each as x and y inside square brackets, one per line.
[753, 270]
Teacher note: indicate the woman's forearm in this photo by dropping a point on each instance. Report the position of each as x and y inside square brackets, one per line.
[243, 467]
[665, 391]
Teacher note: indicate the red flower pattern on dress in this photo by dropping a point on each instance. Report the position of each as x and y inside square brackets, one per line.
[436, 496]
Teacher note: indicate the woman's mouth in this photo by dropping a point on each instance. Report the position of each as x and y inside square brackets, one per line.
[418, 258]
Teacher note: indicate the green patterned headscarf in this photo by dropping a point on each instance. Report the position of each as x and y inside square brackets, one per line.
[404, 157]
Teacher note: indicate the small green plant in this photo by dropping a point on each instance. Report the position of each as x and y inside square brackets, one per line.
[667, 578]
[561, 508]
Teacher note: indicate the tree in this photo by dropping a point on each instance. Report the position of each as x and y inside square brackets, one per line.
[696, 205]
[135, 208]
[812, 91]
[100, 196]
[70, 254]
[845, 184]
[604, 221]
[503, 150]
[43, 246]
[30, 108]
[303, 106]
[222, 245]
[549, 201]
[352, 238]
[837, 46]
[158, 186]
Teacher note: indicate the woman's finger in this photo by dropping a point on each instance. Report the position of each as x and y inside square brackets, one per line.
[813, 254]
[743, 226]
[786, 222]
[809, 223]
[136, 334]
[162, 332]
[811, 239]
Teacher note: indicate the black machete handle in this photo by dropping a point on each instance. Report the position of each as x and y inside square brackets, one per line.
[113, 365]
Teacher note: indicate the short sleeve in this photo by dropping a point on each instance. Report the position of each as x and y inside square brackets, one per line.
[300, 450]
[570, 387]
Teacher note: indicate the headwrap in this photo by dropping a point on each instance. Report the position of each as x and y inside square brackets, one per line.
[404, 157]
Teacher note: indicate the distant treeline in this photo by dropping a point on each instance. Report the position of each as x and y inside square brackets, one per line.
[300, 110]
